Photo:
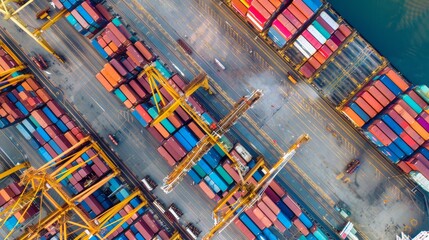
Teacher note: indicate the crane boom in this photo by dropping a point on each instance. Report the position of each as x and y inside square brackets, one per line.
[207, 142]
[250, 193]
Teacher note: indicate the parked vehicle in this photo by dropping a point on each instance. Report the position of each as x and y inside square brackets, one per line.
[352, 166]
[185, 46]
[113, 139]
[175, 211]
[40, 62]
[149, 183]
[192, 230]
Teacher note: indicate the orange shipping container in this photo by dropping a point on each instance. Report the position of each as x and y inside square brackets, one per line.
[299, 15]
[239, 7]
[319, 57]
[276, 3]
[378, 95]
[267, 211]
[130, 94]
[175, 120]
[70, 137]
[261, 216]
[303, 8]
[113, 47]
[143, 50]
[206, 189]
[104, 82]
[4, 195]
[365, 107]
[164, 133]
[398, 80]
[128, 104]
[313, 62]
[42, 94]
[277, 189]
[196, 130]
[267, 5]
[420, 130]
[353, 116]
[108, 50]
[372, 101]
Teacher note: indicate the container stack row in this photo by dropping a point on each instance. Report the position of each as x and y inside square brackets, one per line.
[8, 195]
[6, 61]
[260, 12]
[395, 117]
[86, 19]
[317, 42]
[17, 102]
[288, 24]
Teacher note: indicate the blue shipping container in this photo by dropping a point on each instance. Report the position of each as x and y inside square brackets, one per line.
[277, 38]
[250, 224]
[194, 176]
[392, 124]
[284, 220]
[139, 118]
[389, 154]
[99, 49]
[43, 134]
[359, 112]
[182, 141]
[305, 220]
[390, 85]
[206, 168]
[23, 131]
[403, 146]
[396, 150]
[50, 114]
[218, 181]
[285, 210]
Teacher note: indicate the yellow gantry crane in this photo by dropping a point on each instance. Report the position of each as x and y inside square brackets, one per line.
[156, 79]
[10, 13]
[7, 77]
[44, 184]
[14, 169]
[209, 140]
[224, 214]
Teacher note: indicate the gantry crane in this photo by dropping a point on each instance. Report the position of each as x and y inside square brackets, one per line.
[9, 13]
[155, 78]
[44, 184]
[209, 140]
[224, 214]
[8, 78]
[14, 169]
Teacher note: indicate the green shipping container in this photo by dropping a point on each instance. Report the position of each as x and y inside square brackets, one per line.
[199, 171]
[165, 123]
[116, 22]
[320, 235]
[321, 29]
[423, 92]
[226, 143]
[34, 121]
[223, 174]
[412, 103]
[302, 237]
[219, 150]
[120, 95]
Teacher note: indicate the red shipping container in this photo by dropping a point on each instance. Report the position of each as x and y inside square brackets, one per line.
[301, 227]
[170, 160]
[414, 135]
[175, 148]
[417, 98]
[267, 5]
[287, 24]
[246, 232]
[308, 13]
[55, 108]
[163, 235]
[345, 30]
[325, 25]
[292, 205]
[398, 119]
[231, 171]
[277, 189]
[298, 14]
[379, 135]
[378, 95]
[386, 129]
[270, 204]
[339, 35]
[365, 107]
[267, 211]
[41, 118]
[311, 39]
[284, 31]
[106, 14]
[314, 63]
[407, 108]
[261, 10]
[292, 19]
[331, 45]
[409, 141]
[325, 51]
[280, 227]
[182, 114]
[384, 90]
[151, 222]
[155, 134]
[307, 70]
[256, 215]
[261, 216]
[53, 131]
[404, 167]
[206, 189]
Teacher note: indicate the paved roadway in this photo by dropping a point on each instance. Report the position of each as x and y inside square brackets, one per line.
[211, 39]
[380, 197]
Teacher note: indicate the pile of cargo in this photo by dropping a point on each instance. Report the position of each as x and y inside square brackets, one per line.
[317, 43]
[290, 21]
[85, 17]
[395, 117]
[8, 196]
[6, 61]
[114, 40]
[18, 102]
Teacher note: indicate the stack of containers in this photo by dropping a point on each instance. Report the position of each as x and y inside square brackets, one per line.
[288, 23]
[395, 118]
[6, 63]
[112, 41]
[67, 4]
[86, 19]
[261, 12]
[18, 102]
[319, 40]
[8, 196]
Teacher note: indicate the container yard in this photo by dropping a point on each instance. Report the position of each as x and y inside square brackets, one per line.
[121, 98]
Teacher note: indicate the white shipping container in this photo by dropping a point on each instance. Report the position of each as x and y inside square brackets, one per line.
[306, 45]
[334, 25]
[253, 19]
[316, 34]
[298, 46]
